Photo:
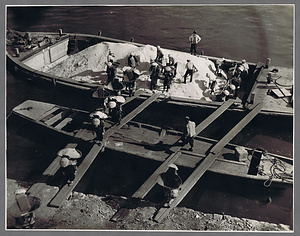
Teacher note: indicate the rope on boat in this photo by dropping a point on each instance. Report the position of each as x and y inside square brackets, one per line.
[277, 169]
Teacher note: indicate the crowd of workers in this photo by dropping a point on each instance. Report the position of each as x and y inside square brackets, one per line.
[222, 86]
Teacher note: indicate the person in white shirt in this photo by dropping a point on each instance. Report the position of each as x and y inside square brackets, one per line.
[194, 40]
[189, 132]
[245, 65]
[189, 70]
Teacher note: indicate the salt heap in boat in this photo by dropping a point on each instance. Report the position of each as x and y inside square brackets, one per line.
[89, 66]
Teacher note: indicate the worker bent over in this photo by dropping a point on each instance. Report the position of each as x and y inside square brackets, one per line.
[171, 182]
[68, 163]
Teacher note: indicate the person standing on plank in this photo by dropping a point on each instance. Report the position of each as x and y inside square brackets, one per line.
[189, 132]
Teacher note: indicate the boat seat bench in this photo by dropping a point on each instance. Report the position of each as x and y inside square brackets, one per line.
[58, 117]
[49, 114]
[65, 121]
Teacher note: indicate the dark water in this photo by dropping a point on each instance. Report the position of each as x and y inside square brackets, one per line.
[235, 32]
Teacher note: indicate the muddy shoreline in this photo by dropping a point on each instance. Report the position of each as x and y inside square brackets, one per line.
[91, 212]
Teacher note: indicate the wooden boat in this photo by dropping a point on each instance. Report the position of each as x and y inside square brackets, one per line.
[151, 142]
[28, 52]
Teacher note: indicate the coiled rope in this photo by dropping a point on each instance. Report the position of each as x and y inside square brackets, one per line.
[277, 169]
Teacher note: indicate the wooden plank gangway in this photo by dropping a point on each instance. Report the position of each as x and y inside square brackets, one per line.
[175, 153]
[90, 157]
[207, 162]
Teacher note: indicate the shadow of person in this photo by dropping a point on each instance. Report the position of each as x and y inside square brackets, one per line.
[202, 84]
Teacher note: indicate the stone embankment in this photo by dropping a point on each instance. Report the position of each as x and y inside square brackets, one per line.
[86, 211]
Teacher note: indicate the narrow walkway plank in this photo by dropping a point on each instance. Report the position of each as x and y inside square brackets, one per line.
[136, 94]
[207, 162]
[65, 121]
[49, 172]
[48, 114]
[65, 191]
[54, 119]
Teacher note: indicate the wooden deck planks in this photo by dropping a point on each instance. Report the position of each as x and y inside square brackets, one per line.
[207, 162]
[136, 94]
[48, 114]
[83, 167]
[54, 119]
[65, 121]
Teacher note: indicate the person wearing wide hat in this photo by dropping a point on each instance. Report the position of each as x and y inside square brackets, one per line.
[171, 183]
[23, 209]
[68, 163]
[168, 78]
[194, 40]
[154, 68]
[115, 111]
[159, 54]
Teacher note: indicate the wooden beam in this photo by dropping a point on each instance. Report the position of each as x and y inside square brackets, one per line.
[65, 121]
[207, 162]
[45, 116]
[136, 94]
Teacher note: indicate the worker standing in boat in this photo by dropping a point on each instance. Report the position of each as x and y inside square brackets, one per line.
[189, 132]
[243, 70]
[110, 57]
[98, 128]
[168, 78]
[154, 75]
[171, 182]
[194, 40]
[190, 67]
[172, 64]
[111, 72]
[159, 54]
[132, 61]
[245, 65]
[115, 111]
